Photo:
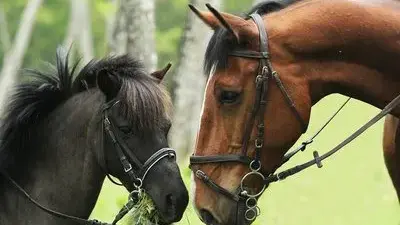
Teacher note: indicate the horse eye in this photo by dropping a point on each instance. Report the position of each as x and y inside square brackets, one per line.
[125, 129]
[229, 97]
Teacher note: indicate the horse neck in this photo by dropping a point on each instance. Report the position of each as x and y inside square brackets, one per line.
[63, 173]
[344, 47]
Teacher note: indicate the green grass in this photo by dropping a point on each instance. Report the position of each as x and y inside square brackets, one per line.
[352, 188]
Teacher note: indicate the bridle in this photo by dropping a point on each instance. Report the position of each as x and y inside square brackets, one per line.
[130, 163]
[246, 201]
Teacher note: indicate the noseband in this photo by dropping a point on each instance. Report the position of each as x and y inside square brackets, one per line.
[128, 160]
[130, 163]
[246, 201]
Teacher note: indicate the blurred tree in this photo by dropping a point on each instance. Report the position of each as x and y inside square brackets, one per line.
[79, 29]
[190, 81]
[14, 57]
[4, 34]
[134, 31]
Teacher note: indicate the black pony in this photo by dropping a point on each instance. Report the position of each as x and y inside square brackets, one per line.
[58, 146]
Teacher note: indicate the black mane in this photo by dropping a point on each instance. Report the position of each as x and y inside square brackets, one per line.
[221, 44]
[34, 100]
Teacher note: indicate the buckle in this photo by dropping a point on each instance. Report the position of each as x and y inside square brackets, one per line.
[128, 168]
[201, 175]
[261, 78]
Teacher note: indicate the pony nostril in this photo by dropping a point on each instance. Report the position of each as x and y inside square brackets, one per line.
[207, 217]
[171, 200]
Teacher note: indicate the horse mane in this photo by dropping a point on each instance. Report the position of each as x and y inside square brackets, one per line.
[220, 44]
[32, 101]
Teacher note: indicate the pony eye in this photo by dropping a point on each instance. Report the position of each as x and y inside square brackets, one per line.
[229, 97]
[125, 129]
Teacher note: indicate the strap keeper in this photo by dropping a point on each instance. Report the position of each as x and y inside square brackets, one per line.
[125, 163]
[317, 159]
[265, 55]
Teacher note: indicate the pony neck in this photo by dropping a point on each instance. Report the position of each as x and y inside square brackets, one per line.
[63, 174]
[344, 47]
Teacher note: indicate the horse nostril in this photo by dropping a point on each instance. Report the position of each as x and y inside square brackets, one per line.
[207, 217]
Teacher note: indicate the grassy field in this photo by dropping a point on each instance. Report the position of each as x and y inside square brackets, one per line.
[353, 187]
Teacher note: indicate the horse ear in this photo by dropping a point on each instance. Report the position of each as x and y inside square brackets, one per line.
[108, 84]
[214, 19]
[159, 74]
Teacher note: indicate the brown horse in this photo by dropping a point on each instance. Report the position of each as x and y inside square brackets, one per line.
[315, 48]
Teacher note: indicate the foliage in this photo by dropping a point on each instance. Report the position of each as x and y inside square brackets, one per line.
[145, 211]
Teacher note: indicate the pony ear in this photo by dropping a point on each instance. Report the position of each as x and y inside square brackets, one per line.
[108, 84]
[159, 74]
[235, 25]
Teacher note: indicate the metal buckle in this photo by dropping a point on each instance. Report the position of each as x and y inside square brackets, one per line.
[171, 155]
[265, 70]
[255, 169]
[260, 78]
[139, 185]
[107, 121]
[128, 169]
[201, 175]
[258, 143]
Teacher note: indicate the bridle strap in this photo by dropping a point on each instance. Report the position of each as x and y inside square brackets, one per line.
[289, 101]
[50, 211]
[127, 166]
[249, 54]
[304, 144]
[263, 56]
[217, 188]
[262, 32]
[220, 158]
[118, 142]
[318, 159]
[155, 158]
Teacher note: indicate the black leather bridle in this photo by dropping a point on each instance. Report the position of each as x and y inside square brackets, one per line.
[246, 201]
[129, 162]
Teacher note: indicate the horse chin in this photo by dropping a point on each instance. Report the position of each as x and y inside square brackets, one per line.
[226, 214]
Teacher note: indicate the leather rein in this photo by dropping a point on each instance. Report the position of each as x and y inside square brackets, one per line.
[246, 201]
[129, 162]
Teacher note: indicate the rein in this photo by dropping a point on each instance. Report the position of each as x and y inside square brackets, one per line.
[128, 161]
[246, 199]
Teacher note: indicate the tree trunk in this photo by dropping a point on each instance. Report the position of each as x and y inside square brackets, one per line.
[110, 26]
[4, 34]
[257, 1]
[14, 58]
[134, 31]
[85, 39]
[190, 81]
[79, 30]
